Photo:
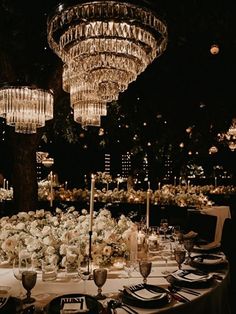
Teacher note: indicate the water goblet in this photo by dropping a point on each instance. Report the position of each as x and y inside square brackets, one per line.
[145, 268]
[29, 278]
[188, 245]
[180, 255]
[100, 277]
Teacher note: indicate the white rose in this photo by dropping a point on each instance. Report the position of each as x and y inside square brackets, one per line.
[20, 226]
[46, 230]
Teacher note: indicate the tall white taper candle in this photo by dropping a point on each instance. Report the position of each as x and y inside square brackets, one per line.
[91, 202]
[148, 206]
[51, 189]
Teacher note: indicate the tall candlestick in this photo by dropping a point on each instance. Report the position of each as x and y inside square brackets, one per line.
[159, 185]
[133, 245]
[66, 185]
[148, 185]
[4, 183]
[215, 181]
[148, 208]
[91, 202]
[51, 189]
[188, 184]
[7, 184]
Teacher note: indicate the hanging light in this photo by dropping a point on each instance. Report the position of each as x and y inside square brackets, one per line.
[48, 162]
[230, 136]
[104, 46]
[214, 49]
[213, 150]
[26, 108]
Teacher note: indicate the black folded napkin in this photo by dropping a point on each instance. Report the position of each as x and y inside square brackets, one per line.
[145, 296]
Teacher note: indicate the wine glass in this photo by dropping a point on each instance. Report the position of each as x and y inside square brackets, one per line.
[29, 278]
[145, 268]
[84, 271]
[166, 254]
[100, 277]
[129, 266]
[17, 272]
[164, 226]
[176, 233]
[188, 245]
[180, 255]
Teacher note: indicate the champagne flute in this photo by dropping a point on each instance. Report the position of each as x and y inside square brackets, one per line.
[145, 268]
[100, 277]
[180, 255]
[29, 278]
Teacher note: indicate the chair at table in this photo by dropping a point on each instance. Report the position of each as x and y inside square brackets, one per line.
[204, 225]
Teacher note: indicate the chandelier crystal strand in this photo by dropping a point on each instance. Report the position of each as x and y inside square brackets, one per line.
[26, 108]
[104, 45]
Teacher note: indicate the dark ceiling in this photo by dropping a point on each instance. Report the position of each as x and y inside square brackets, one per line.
[186, 86]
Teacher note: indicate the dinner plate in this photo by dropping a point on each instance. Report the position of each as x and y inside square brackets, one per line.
[93, 306]
[207, 248]
[146, 296]
[209, 259]
[190, 278]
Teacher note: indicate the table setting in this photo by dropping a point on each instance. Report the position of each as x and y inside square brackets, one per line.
[145, 289]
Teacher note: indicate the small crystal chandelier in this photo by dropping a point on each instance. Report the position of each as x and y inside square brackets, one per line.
[104, 46]
[26, 108]
[230, 136]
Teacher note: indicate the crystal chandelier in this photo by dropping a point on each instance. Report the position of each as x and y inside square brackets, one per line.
[104, 46]
[26, 108]
[230, 136]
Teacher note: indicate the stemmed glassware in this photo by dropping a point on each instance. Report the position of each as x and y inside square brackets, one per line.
[164, 226]
[29, 278]
[85, 271]
[20, 264]
[100, 277]
[180, 255]
[188, 245]
[145, 268]
[17, 272]
[165, 255]
[176, 233]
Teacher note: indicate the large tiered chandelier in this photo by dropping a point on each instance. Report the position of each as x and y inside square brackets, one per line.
[104, 46]
[26, 108]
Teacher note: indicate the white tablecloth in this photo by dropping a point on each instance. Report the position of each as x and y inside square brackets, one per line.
[222, 212]
[212, 300]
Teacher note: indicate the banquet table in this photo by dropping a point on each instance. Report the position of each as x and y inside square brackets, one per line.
[213, 299]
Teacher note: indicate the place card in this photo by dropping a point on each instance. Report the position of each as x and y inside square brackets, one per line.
[73, 305]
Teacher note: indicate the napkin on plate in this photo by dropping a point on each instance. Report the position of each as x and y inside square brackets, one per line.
[190, 275]
[209, 259]
[143, 293]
